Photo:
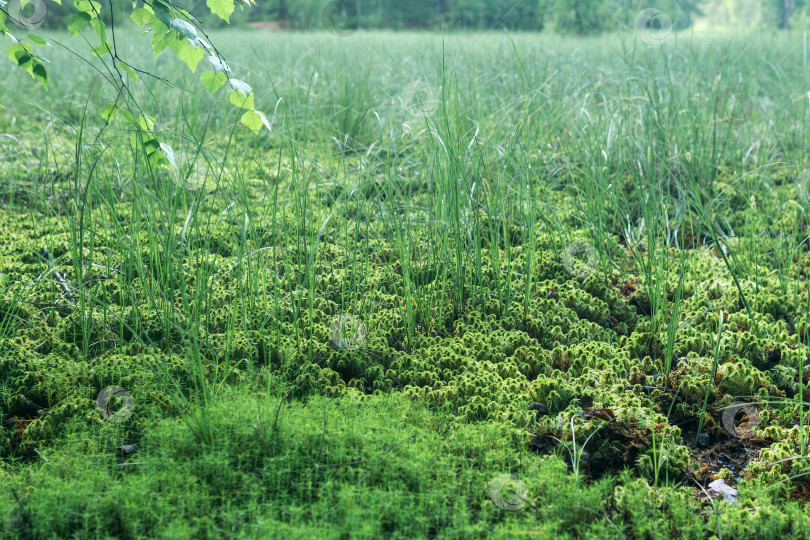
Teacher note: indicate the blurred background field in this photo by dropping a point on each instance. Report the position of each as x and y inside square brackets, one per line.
[561, 16]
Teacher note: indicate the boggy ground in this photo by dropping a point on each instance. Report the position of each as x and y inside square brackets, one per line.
[433, 417]
[518, 356]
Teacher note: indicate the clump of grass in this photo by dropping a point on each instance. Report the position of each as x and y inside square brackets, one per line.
[712, 376]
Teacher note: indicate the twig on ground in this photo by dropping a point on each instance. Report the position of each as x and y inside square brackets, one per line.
[58, 277]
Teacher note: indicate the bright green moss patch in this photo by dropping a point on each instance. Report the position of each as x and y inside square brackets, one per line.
[338, 468]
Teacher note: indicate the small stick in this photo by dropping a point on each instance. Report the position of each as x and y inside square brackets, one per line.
[65, 287]
[58, 277]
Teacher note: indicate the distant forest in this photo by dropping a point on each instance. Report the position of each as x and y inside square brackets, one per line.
[564, 16]
[580, 16]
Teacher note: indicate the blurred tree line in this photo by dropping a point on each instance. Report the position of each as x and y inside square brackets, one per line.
[564, 16]
[578, 16]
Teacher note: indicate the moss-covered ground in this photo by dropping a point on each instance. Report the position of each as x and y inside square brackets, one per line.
[560, 298]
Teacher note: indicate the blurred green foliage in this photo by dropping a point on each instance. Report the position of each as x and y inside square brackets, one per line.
[564, 16]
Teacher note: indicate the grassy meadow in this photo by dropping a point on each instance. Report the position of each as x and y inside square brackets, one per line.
[469, 285]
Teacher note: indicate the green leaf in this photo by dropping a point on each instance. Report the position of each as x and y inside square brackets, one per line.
[26, 62]
[221, 8]
[98, 24]
[161, 38]
[205, 45]
[77, 23]
[160, 5]
[102, 49]
[185, 28]
[19, 53]
[163, 14]
[142, 16]
[219, 65]
[241, 86]
[188, 16]
[255, 120]
[86, 6]
[36, 39]
[108, 112]
[239, 100]
[39, 73]
[188, 53]
[265, 121]
[213, 81]
[252, 120]
[155, 154]
[128, 117]
[150, 144]
[146, 122]
[129, 70]
[169, 153]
